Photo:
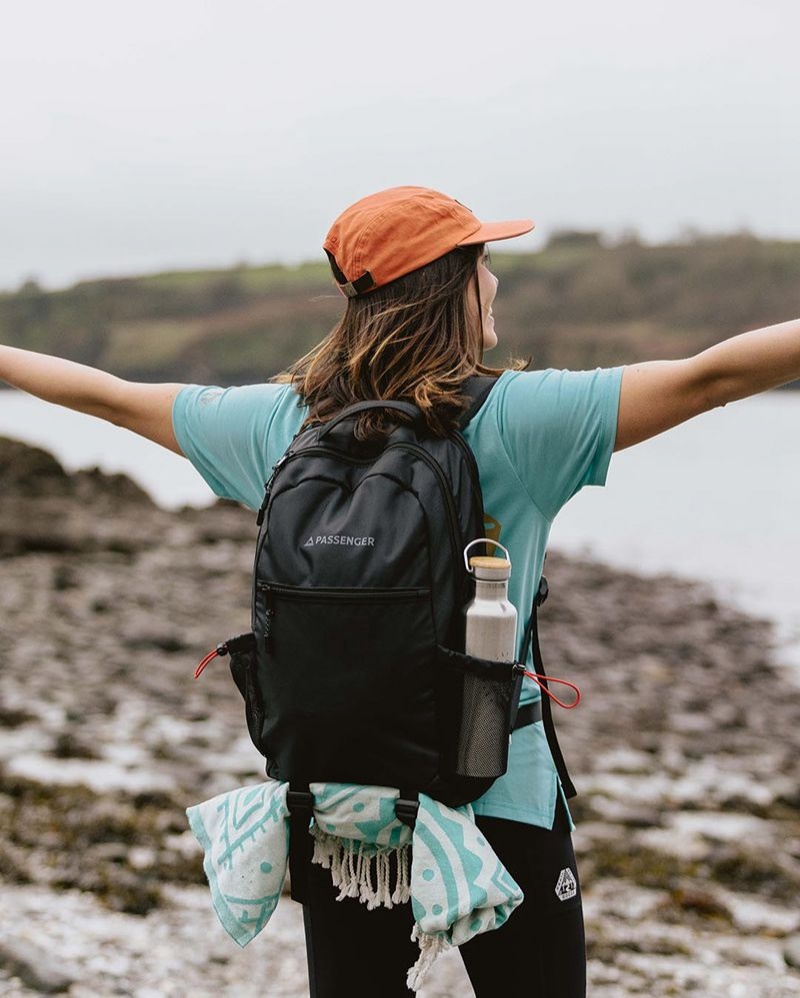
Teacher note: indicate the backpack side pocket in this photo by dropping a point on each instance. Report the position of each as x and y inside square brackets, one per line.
[242, 650]
[478, 703]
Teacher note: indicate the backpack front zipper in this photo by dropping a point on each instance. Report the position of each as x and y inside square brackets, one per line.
[326, 594]
[344, 592]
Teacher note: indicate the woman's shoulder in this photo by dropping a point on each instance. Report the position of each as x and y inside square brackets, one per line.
[556, 389]
[512, 392]
[237, 402]
[238, 412]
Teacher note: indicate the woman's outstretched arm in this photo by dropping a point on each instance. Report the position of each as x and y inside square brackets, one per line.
[143, 408]
[659, 394]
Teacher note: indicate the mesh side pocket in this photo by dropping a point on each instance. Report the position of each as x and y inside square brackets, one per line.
[478, 701]
[242, 650]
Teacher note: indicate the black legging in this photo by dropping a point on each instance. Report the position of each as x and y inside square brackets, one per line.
[539, 952]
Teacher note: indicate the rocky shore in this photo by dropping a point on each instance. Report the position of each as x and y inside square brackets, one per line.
[684, 751]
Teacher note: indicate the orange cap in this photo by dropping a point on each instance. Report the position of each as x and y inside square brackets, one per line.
[389, 234]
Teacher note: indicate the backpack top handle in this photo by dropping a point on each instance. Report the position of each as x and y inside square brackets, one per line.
[351, 410]
[476, 387]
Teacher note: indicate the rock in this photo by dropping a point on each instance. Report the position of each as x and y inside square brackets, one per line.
[700, 902]
[34, 967]
[150, 636]
[791, 952]
[623, 813]
[35, 473]
[45, 509]
[69, 745]
[14, 715]
[29, 471]
[89, 483]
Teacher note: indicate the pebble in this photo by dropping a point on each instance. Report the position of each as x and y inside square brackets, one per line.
[33, 966]
[791, 952]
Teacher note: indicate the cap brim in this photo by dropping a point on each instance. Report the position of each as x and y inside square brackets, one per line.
[490, 232]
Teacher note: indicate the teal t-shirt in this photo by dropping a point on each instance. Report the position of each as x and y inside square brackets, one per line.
[539, 438]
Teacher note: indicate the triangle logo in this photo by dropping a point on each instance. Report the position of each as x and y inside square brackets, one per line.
[567, 886]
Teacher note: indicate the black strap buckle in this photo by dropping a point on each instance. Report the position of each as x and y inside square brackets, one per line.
[299, 801]
[406, 811]
[544, 591]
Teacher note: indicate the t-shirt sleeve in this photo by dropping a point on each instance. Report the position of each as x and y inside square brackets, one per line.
[225, 433]
[559, 429]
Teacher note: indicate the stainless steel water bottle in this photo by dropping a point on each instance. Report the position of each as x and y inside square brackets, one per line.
[491, 619]
[487, 688]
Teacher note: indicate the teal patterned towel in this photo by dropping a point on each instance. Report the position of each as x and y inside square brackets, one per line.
[456, 884]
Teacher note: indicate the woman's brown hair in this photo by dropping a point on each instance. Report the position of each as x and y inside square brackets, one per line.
[413, 339]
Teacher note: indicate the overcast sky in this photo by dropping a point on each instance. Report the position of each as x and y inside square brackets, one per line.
[177, 133]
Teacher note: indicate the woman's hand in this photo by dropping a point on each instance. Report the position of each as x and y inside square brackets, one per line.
[660, 394]
[143, 408]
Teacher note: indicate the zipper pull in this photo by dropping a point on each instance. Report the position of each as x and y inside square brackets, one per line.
[268, 615]
[267, 629]
[268, 489]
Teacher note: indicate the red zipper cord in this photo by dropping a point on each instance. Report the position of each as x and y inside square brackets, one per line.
[550, 679]
[211, 655]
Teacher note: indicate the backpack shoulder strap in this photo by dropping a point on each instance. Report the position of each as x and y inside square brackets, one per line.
[532, 631]
[477, 387]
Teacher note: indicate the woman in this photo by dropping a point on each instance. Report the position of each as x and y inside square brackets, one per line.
[412, 264]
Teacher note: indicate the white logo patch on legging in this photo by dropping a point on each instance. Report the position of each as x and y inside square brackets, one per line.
[567, 886]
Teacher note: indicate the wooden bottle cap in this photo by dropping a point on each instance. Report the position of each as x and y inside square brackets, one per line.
[482, 561]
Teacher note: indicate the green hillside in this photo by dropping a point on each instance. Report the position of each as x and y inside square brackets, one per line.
[578, 303]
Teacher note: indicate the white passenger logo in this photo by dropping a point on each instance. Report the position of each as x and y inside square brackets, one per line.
[567, 886]
[347, 539]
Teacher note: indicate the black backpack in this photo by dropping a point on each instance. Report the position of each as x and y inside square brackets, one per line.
[354, 670]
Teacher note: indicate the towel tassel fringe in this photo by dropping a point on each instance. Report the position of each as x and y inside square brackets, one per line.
[429, 948]
[363, 872]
